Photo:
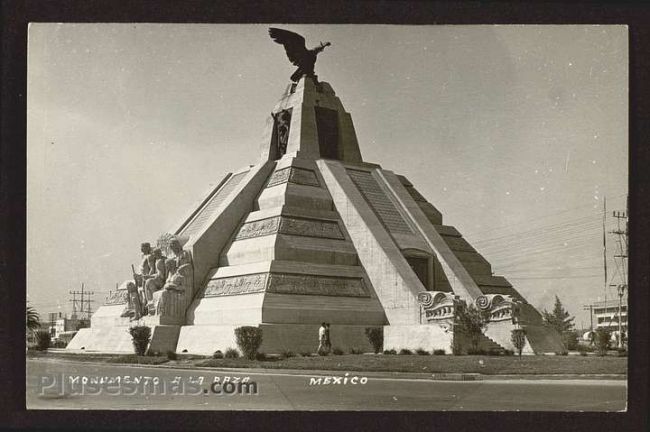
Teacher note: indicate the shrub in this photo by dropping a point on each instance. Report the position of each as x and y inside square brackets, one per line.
[232, 353]
[570, 340]
[375, 336]
[470, 322]
[456, 346]
[43, 340]
[473, 351]
[603, 337]
[621, 352]
[518, 338]
[421, 351]
[356, 351]
[439, 352]
[305, 354]
[337, 351]
[405, 351]
[390, 352]
[287, 354]
[260, 356]
[495, 352]
[508, 352]
[583, 353]
[217, 354]
[562, 353]
[249, 340]
[171, 355]
[140, 336]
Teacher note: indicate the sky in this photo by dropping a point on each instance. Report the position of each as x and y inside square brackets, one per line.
[517, 134]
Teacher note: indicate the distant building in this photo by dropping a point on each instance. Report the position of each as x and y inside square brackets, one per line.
[606, 315]
[63, 328]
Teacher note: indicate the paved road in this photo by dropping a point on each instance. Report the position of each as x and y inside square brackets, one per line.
[283, 391]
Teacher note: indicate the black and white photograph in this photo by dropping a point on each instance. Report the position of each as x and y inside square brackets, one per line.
[327, 217]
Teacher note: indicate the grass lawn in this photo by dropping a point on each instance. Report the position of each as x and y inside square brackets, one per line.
[135, 359]
[70, 356]
[489, 365]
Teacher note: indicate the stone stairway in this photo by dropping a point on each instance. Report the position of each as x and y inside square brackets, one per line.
[489, 345]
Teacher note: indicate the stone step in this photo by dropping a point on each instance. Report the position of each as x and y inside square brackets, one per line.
[488, 344]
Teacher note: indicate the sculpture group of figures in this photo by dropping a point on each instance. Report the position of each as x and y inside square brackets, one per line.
[159, 281]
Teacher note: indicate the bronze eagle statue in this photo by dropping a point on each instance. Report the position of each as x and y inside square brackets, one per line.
[298, 54]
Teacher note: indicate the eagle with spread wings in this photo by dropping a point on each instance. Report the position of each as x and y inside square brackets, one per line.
[298, 54]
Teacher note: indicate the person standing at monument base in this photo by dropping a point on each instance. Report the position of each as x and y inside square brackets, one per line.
[322, 342]
[328, 341]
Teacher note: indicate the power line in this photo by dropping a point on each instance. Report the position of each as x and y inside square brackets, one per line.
[582, 222]
[541, 233]
[536, 253]
[529, 221]
[81, 304]
[556, 268]
[512, 248]
[555, 277]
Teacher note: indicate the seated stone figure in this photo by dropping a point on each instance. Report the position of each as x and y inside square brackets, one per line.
[177, 291]
[155, 280]
[135, 306]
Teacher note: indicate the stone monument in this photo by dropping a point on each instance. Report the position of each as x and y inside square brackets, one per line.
[312, 233]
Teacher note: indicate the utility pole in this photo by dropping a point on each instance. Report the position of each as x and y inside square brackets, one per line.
[74, 304]
[620, 258]
[590, 308]
[53, 316]
[605, 247]
[89, 311]
[84, 301]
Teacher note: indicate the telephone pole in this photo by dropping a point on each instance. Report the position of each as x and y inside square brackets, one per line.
[620, 258]
[83, 302]
[590, 308]
[88, 310]
[53, 316]
[74, 304]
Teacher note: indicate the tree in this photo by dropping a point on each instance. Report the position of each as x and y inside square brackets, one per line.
[470, 322]
[518, 338]
[32, 320]
[375, 336]
[559, 319]
[43, 340]
[570, 339]
[603, 339]
[249, 340]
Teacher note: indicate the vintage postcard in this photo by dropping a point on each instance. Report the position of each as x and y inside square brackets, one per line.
[327, 217]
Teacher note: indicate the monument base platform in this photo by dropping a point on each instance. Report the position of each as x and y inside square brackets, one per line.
[412, 337]
[118, 339]
[298, 338]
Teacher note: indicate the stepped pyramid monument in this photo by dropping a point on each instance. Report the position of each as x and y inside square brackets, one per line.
[313, 233]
